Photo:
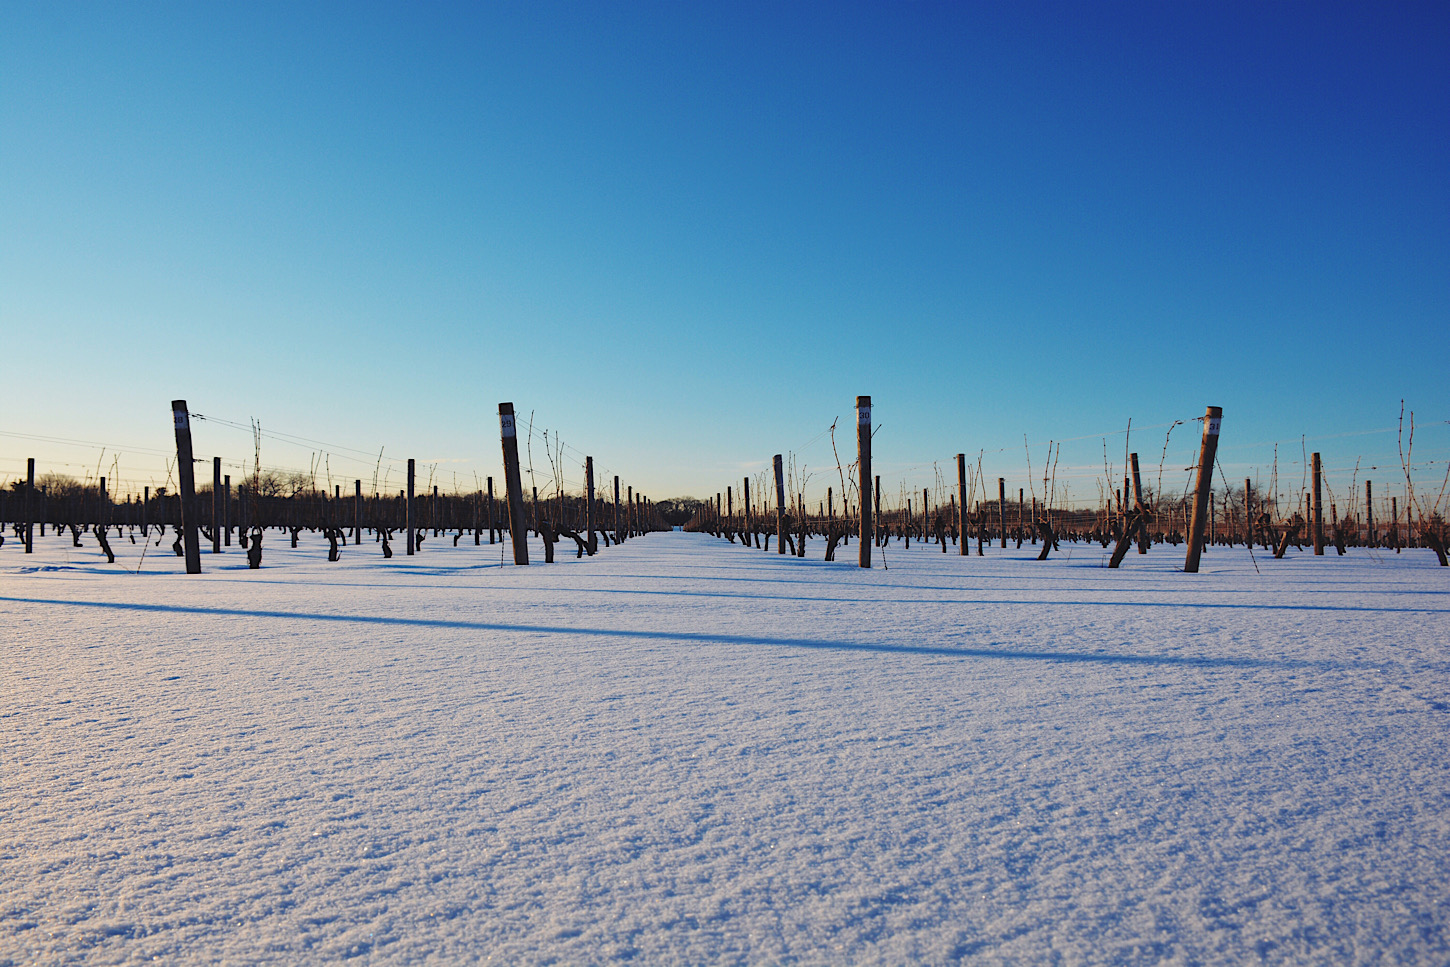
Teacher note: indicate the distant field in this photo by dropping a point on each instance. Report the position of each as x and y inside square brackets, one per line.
[684, 751]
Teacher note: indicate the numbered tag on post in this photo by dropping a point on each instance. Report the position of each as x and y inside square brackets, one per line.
[863, 415]
[1213, 427]
[506, 423]
[181, 421]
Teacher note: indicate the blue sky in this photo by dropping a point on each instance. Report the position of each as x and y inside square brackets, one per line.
[687, 237]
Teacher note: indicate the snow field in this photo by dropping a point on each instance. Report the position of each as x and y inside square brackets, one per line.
[683, 751]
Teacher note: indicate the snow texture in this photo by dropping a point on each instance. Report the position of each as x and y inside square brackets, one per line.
[683, 751]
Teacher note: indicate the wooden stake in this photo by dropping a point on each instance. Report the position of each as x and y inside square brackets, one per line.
[191, 550]
[30, 506]
[1369, 535]
[216, 505]
[1002, 509]
[1207, 450]
[779, 505]
[408, 507]
[589, 521]
[863, 471]
[513, 483]
[1318, 510]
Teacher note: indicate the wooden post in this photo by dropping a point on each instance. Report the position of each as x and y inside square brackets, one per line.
[227, 510]
[513, 483]
[29, 535]
[589, 521]
[617, 538]
[1369, 535]
[1318, 510]
[779, 505]
[1002, 509]
[216, 505]
[1021, 523]
[745, 494]
[863, 464]
[1208, 448]
[1395, 522]
[629, 502]
[488, 509]
[408, 508]
[191, 550]
[357, 512]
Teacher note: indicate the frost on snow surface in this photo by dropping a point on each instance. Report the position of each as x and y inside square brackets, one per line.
[684, 751]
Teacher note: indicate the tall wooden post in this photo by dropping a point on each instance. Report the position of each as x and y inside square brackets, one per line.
[1207, 450]
[863, 464]
[227, 510]
[408, 507]
[488, 509]
[617, 538]
[589, 521]
[216, 505]
[730, 507]
[357, 504]
[30, 506]
[1002, 509]
[513, 483]
[1138, 506]
[745, 493]
[1318, 470]
[779, 505]
[1369, 535]
[629, 503]
[192, 551]
[1395, 522]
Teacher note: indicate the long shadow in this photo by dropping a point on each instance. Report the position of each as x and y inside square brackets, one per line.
[1096, 658]
[748, 596]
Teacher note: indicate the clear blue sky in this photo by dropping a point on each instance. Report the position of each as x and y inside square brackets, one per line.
[687, 235]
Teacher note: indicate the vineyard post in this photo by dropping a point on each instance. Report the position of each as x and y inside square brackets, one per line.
[779, 506]
[192, 551]
[1002, 509]
[513, 483]
[408, 507]
[1317, 468]
[227, 510]
[729, 507]
[357, 512]
[216, 505]
[863, 465]
[589, 504]
[1212, 417]
[1369, 537]
[1138, 506]
[617, 538]
[1395, 522]
[746, 496]
[488, 509]
[30, 504]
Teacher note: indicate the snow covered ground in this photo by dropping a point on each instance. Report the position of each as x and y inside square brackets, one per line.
[682, 751]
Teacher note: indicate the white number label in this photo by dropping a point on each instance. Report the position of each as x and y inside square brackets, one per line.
[1213, 427]
[506, 421]
[181, 422]
[863, 416]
